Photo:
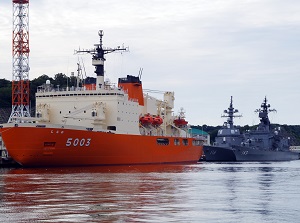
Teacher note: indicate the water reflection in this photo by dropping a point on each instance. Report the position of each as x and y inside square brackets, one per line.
[252, 191]
[265, 181]
[106, 194]
[232, 184]
[209, 192]
[172, 168]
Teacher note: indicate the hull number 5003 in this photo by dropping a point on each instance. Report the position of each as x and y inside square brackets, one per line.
[78, 142]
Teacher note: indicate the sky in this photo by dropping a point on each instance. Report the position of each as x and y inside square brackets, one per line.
[204, 50]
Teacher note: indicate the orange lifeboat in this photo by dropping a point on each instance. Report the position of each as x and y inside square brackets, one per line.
[157, 121]
[146, 120]
[180, 122]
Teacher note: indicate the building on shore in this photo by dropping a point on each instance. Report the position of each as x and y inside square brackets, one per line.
[200, 134]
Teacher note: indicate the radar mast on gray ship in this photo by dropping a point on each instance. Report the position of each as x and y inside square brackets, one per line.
[230, 114]
[263, 115]
[228, 136]
[264, 143]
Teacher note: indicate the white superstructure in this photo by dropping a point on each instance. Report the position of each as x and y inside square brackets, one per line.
[105, 109]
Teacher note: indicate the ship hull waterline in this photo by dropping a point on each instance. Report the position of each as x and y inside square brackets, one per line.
[45, 146]
[218, 154]
[246, 154]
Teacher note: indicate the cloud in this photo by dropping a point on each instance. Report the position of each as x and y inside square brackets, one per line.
[204, 50]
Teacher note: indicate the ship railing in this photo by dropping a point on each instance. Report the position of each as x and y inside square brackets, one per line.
[42, 89]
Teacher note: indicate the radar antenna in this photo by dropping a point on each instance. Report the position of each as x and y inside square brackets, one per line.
[230, 114]
[263, 112]
[98, 59]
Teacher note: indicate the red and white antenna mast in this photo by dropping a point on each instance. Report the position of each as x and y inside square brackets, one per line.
[20, 53]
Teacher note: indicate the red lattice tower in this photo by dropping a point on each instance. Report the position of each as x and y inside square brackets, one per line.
[20, 53]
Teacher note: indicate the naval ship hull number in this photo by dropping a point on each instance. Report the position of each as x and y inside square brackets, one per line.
[78, 142]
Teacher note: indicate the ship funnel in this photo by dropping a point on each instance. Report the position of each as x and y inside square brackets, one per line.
[133, 86]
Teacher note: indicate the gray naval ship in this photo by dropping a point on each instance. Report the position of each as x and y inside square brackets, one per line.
[264, 144]
[227, 137]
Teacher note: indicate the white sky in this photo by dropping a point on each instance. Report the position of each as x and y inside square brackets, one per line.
[203, 50]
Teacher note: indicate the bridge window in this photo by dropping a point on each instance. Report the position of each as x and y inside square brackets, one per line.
[185, 142]
[162, 141]
[176, 142]
[112, 127]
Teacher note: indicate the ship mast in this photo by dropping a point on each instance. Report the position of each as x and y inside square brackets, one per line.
[98, 58]
[263, 114]
[230, 114]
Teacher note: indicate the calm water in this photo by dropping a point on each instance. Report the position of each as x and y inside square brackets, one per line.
[205, 192]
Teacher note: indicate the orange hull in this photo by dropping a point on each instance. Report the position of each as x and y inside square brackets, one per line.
[45, 146]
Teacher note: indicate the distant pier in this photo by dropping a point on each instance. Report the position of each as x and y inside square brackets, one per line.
[295, 149]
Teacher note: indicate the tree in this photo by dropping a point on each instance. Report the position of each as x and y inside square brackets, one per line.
[41, 80]
[61, 80]
[5, 93]
[5, 97]
[4, 83]
[35, 83]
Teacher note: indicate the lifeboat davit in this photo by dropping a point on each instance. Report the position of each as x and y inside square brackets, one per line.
[146, 120]
[157, 121]
[180, 122]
